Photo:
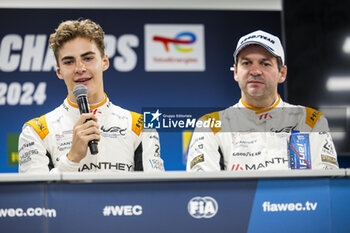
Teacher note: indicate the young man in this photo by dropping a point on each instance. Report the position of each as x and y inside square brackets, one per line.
[58, 140]
[255, 132]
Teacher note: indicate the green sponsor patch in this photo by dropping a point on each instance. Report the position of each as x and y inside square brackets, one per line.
[12, 149]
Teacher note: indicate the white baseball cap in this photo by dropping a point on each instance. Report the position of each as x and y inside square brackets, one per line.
[268, 41]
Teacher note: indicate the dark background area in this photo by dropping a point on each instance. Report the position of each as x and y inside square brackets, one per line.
[314, 36]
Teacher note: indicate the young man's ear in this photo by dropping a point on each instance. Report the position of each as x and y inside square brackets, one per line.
[58, 72]
[105, 61]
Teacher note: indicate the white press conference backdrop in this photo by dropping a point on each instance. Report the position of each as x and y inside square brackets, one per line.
[146, 69]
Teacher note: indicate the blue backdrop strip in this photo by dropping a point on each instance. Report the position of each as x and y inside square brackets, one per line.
[256, 205]
[26, 200]
[164, 206]
[30, 88]
[340, 203]
[291, 206]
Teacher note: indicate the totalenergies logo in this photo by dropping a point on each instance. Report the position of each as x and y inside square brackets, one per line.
[174, 47]
[183, 38]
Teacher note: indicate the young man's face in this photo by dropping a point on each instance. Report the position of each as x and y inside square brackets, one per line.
[257, 73]
[80, 62]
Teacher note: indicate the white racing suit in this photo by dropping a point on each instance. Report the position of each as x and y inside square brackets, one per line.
[124, 145]
[253, 139]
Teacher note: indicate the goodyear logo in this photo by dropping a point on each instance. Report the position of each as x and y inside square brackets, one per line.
[258, 37]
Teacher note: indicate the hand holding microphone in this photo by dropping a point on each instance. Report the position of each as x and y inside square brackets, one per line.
[85, 129]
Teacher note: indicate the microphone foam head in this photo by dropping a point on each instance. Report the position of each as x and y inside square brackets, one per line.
[80, 90]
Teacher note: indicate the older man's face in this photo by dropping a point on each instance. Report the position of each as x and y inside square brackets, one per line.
[257, 73]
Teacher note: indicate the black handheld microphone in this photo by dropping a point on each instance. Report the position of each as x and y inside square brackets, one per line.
[81, 92]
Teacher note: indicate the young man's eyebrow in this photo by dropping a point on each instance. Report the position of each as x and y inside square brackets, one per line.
[67, 58]
[87, 53]
[82, 55]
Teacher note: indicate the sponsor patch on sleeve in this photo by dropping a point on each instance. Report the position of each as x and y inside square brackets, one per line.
[40, 126]
[137, 123]
[196, 160]
[328, 148]
[329, 159]
[312, 116]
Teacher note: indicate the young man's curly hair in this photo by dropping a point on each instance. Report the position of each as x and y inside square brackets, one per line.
[72, 29]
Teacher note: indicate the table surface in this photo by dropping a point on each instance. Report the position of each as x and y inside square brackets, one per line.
[170, 176]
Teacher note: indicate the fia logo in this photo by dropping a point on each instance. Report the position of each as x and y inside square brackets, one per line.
[202, 207]
[151, 120]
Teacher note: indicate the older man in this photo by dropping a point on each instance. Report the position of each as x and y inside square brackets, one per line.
[255, 133]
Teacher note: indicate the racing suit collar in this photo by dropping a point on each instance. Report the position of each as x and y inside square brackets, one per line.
[258, 110]
[92, 107]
